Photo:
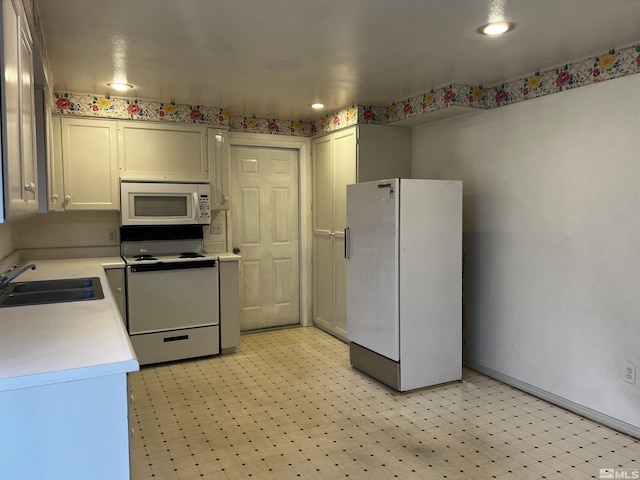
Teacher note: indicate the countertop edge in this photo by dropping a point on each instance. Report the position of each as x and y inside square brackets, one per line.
[64, 376]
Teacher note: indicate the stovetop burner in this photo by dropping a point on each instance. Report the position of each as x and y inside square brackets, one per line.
[190, 255]
[142, 257]
[163, 245]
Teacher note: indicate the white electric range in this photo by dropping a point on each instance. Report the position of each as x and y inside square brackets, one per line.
[172, 293]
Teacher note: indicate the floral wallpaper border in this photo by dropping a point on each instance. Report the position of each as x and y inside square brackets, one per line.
[615, 63]
[273, 126]
[137, 109]
[106, 106]
[336, 120]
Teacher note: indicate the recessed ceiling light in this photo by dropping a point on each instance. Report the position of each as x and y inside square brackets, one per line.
[496, 28]
[317, 106]
[120, 86]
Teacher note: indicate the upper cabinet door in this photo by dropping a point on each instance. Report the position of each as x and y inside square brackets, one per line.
[219, 161]
[11, 152]
[90, 164]
[152, 151]
[17, 115]
[28, 121]
[323, 185]
[344, 173]
[55, 183]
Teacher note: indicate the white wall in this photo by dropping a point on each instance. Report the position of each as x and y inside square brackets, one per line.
[551, 239]
[67, 229]
[7, 239]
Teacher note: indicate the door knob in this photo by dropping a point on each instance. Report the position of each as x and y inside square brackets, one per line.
[236, 250]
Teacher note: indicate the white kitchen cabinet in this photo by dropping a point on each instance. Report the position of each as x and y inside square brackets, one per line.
[44, 150]
[229, 304]
[219, 161]
[85, 171]
[18, 155]
[161, 151]
[334, 167]
[356, 154]
[55, 185]
[68, 430]
[115, 277]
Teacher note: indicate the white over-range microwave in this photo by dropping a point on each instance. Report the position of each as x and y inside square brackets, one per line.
[164, 203]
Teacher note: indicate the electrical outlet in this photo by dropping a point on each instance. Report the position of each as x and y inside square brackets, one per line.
[215, 229]
[629, 374]
[111, 236]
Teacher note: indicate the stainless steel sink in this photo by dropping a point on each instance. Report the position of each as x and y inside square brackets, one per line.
[51, 291]
[58, 284]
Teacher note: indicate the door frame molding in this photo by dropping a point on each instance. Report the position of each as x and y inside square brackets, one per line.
[305, 186]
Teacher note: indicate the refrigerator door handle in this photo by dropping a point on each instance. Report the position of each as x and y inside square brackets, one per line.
[347, 243]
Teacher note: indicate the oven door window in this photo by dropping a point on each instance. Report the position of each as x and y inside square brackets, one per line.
[161, 206]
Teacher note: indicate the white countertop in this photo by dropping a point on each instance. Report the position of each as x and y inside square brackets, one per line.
[228, 257]
[61, 342]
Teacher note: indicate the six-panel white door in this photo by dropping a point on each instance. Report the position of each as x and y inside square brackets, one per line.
[264, 216]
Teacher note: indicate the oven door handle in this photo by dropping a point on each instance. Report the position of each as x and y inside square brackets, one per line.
[162, 266]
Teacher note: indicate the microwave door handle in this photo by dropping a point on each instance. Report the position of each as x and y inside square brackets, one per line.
[196, 210]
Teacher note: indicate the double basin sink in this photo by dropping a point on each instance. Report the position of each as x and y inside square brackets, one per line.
[51, 291]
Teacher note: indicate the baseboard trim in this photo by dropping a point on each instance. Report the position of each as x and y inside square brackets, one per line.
[586, 412]
[329, 330]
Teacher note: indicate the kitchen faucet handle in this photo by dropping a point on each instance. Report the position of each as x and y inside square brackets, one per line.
[15, 265]
[5, 278]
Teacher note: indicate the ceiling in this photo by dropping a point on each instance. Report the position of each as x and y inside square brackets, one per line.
[274, 58]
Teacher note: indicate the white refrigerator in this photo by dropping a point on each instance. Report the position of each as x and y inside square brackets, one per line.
[404, 281]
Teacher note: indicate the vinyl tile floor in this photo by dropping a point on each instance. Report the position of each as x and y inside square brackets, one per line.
[287, 405]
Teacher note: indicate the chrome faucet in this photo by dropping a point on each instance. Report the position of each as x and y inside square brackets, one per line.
[6, 277]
